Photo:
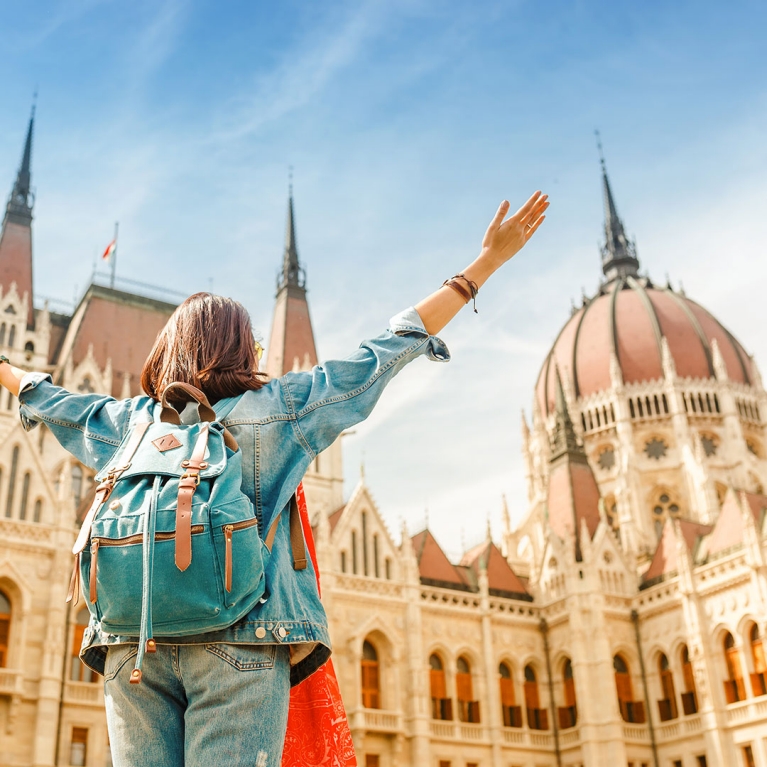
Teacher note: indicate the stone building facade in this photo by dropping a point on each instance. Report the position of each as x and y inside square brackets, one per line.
[621, 623]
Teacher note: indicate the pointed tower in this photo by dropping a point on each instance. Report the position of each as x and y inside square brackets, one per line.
[573, 495]
[619, 258]
[291, 343]
[16, 235]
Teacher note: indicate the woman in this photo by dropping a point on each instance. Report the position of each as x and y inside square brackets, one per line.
[222, 697]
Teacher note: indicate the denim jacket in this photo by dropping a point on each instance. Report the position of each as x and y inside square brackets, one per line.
[280, 429]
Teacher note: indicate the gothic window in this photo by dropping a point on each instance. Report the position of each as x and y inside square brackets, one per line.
[441, 705]
[468, 708]
[24, 496]
[759, 675]
[371, 694]
[537, 717]
[689, 696]
[86, 386]
[631, 710]
[387, 568]
[78, 671]
[710, 444]
[734, 689]
[354, 551]
[656, 448]
[667, 704]
[365, 570]
[666, 505]
[512, 713]
[376, 566]
[2, 334]
[5, 628]
[38, 512]
[12, 336]
[343, 561]
[12, 481]
[606, 459]
[568, 714]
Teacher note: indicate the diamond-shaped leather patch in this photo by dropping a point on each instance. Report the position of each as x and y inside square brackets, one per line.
[168, 442]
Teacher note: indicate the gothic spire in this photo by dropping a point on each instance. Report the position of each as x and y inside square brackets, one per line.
[292, 273]
[21, 200]
[619, 258]
[563, 439]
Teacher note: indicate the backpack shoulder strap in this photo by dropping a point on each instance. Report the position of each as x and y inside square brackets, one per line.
[297, 543]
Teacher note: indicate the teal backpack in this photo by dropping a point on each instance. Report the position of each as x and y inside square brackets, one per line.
[170, 507]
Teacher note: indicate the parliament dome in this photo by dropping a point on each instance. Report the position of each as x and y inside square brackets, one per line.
[627, 321]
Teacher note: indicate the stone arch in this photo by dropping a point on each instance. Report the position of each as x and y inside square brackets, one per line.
[19, 597]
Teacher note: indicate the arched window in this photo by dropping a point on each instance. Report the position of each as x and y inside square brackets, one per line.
[665, 505]
[78, 671]
[77, 484]
[568, 714]
[12, 481]
[468, 708]
[512, 713]
[38, 512]
[376, 557]
[371, 691]
[631, 710]
[12, 336]
[365, 569]
[5, 628]
[24, 496]
[441, 705]
[667, 704]
[537, 717]
[2, 334]
[354, 552]
[759, 675]
[734, 689]
[689, 696]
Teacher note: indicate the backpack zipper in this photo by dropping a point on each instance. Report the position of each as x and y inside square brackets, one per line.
[130, 540]
[228, 530]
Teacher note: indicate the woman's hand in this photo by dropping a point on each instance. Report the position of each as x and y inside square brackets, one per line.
[504, 239]
[501, 241]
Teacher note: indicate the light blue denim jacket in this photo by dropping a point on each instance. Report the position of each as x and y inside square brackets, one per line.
[280, 430]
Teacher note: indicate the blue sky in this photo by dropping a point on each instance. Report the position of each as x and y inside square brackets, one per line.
[407, 123]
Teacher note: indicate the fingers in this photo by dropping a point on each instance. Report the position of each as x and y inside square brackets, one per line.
[528, 206]
[530, 230]
[503, 209]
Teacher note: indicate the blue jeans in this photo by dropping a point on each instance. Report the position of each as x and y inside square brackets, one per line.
[198, 705]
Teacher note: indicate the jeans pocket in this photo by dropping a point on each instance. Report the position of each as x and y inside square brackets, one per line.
[245, 657]
[117, 656]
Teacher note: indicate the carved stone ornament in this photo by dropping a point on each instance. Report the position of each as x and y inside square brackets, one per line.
[656, 448]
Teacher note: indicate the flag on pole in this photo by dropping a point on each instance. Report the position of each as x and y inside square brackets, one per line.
[110, 249]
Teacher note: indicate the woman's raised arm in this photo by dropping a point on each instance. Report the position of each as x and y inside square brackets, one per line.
[502, 240]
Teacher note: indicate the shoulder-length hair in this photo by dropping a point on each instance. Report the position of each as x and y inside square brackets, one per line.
[208, 343]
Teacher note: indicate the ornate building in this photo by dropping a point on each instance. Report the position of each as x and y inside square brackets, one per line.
[621, 624]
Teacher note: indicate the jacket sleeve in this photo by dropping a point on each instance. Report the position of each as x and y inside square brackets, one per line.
[90, 426]
[333, 397]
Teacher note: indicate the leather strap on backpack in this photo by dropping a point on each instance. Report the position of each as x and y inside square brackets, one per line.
[187, 486]
[297, 543]
[205, 411]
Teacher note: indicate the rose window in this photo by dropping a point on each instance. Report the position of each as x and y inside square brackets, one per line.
[656, 448]
[709, 444]
[606, 459]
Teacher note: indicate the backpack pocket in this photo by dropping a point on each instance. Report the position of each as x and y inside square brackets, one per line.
[185, 602]
[242, 557]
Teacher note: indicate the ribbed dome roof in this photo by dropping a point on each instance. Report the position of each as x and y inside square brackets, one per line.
[630, 316]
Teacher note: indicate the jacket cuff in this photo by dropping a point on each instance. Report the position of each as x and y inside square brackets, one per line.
[409, 322]
[28, 384]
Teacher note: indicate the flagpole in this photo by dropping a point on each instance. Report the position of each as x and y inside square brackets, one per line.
[114, 259]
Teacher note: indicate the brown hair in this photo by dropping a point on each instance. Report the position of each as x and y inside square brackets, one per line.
[208, 343]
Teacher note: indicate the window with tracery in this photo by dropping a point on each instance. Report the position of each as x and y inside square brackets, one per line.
[468, 708]
[656, 448]
[734, 689]
[537, 717]
[665, 506]
[5, 628]
[709, 443]
[606, 458]
[511, 712]
[371, 686]
[441, 705]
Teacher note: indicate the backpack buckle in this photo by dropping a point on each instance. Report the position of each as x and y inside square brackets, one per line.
[190, 475]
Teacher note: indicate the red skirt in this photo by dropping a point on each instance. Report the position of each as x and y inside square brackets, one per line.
[318, 732]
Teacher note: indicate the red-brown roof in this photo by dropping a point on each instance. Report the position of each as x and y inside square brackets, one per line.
[501, 579]
[16, 261]
[729, 528]
[583, 347]
[665, 560]
[292, 337]
[573, 495]
[433, 564]
[335, 517]
[119, 326]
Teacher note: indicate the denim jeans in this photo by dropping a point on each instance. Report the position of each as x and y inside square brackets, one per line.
[198, 705]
